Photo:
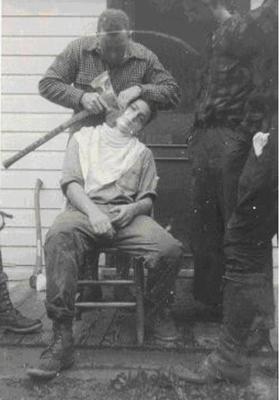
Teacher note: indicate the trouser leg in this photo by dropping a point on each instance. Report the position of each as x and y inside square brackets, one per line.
[206, 216]
[68, 245]
[162, 256]
[236, 150]
[248, 302]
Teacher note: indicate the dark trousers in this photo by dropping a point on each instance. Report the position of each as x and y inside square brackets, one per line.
[253, 223]
[3, 275]
[70, 244]
[219, 154]
[248, 289]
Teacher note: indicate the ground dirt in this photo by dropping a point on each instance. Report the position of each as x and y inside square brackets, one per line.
[122, 375]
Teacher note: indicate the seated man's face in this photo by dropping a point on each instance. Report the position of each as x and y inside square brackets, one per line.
[133, 118]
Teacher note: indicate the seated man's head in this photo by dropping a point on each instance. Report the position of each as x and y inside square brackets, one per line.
[134, 118]
[113, 35]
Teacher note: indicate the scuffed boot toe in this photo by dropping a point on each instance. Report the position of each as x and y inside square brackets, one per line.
[14, 321]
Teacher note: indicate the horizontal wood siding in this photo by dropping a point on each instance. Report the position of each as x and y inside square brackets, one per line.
[33, 33]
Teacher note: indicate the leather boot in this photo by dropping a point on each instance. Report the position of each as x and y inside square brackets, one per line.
[245, 298]
[162, 326]
[10, 318]
[59, 355]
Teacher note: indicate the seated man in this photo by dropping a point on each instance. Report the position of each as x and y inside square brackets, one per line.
[109, 179]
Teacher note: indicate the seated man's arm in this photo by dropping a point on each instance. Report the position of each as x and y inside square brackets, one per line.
[127, 212]
[72, 185]
[145, 195]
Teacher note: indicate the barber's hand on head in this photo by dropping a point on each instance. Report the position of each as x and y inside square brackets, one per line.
[101, 224]
[124, 215]
[128, 95]
[91, 102]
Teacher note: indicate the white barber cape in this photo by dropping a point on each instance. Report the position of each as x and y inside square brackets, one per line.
[105, 155]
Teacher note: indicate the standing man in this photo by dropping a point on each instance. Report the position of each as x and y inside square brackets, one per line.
[252, 222]
[134, 70]
[222, 138]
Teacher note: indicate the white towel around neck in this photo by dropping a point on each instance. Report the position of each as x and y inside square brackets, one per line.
[105, 155]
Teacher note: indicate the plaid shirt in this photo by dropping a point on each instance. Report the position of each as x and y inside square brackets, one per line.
[69, 77]
[230, 80]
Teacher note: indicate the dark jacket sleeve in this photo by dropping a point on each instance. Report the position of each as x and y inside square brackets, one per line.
[56, 85]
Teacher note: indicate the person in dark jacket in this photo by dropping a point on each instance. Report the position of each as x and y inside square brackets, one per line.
[222, 137]
[250, 177]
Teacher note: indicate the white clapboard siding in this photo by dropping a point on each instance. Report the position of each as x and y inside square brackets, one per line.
[16, 179]
[49, 199]
[52, 7]
[49, 26]
[32, 65]
[14, 84]
[26, 218]
[32, 103]
[14, 141]
[44, 46]
[33, 33]
[37, 160]
[21, 236]
[18, 256]
[32, 122]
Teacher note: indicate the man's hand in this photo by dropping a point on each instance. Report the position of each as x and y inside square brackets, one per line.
[128, 95]
[91, 102]
[260, 140]
[124, 215]
[101, 224]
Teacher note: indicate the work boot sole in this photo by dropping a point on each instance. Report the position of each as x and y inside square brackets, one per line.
[29, 329]
[43, 374]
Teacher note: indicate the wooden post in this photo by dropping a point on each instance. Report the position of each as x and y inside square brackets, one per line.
[139, 281]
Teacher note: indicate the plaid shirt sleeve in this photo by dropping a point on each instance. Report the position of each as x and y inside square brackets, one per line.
[56, 84]
[159, 86]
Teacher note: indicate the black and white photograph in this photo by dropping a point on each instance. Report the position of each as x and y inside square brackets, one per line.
[139, 200]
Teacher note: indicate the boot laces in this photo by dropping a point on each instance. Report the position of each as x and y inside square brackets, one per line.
[54, 347]
[6, 301]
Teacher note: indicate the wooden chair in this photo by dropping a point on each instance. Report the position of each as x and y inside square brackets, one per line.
[136, 265]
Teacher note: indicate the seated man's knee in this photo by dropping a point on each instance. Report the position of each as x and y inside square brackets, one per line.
[59, 234]
[171, 248]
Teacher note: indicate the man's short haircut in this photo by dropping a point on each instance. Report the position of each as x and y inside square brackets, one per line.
[113, 20]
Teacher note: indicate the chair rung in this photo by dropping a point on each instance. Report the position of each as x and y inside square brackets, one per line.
[106, 282]
[106, 305]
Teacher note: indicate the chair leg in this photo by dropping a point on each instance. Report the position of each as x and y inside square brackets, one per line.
[139, 282]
